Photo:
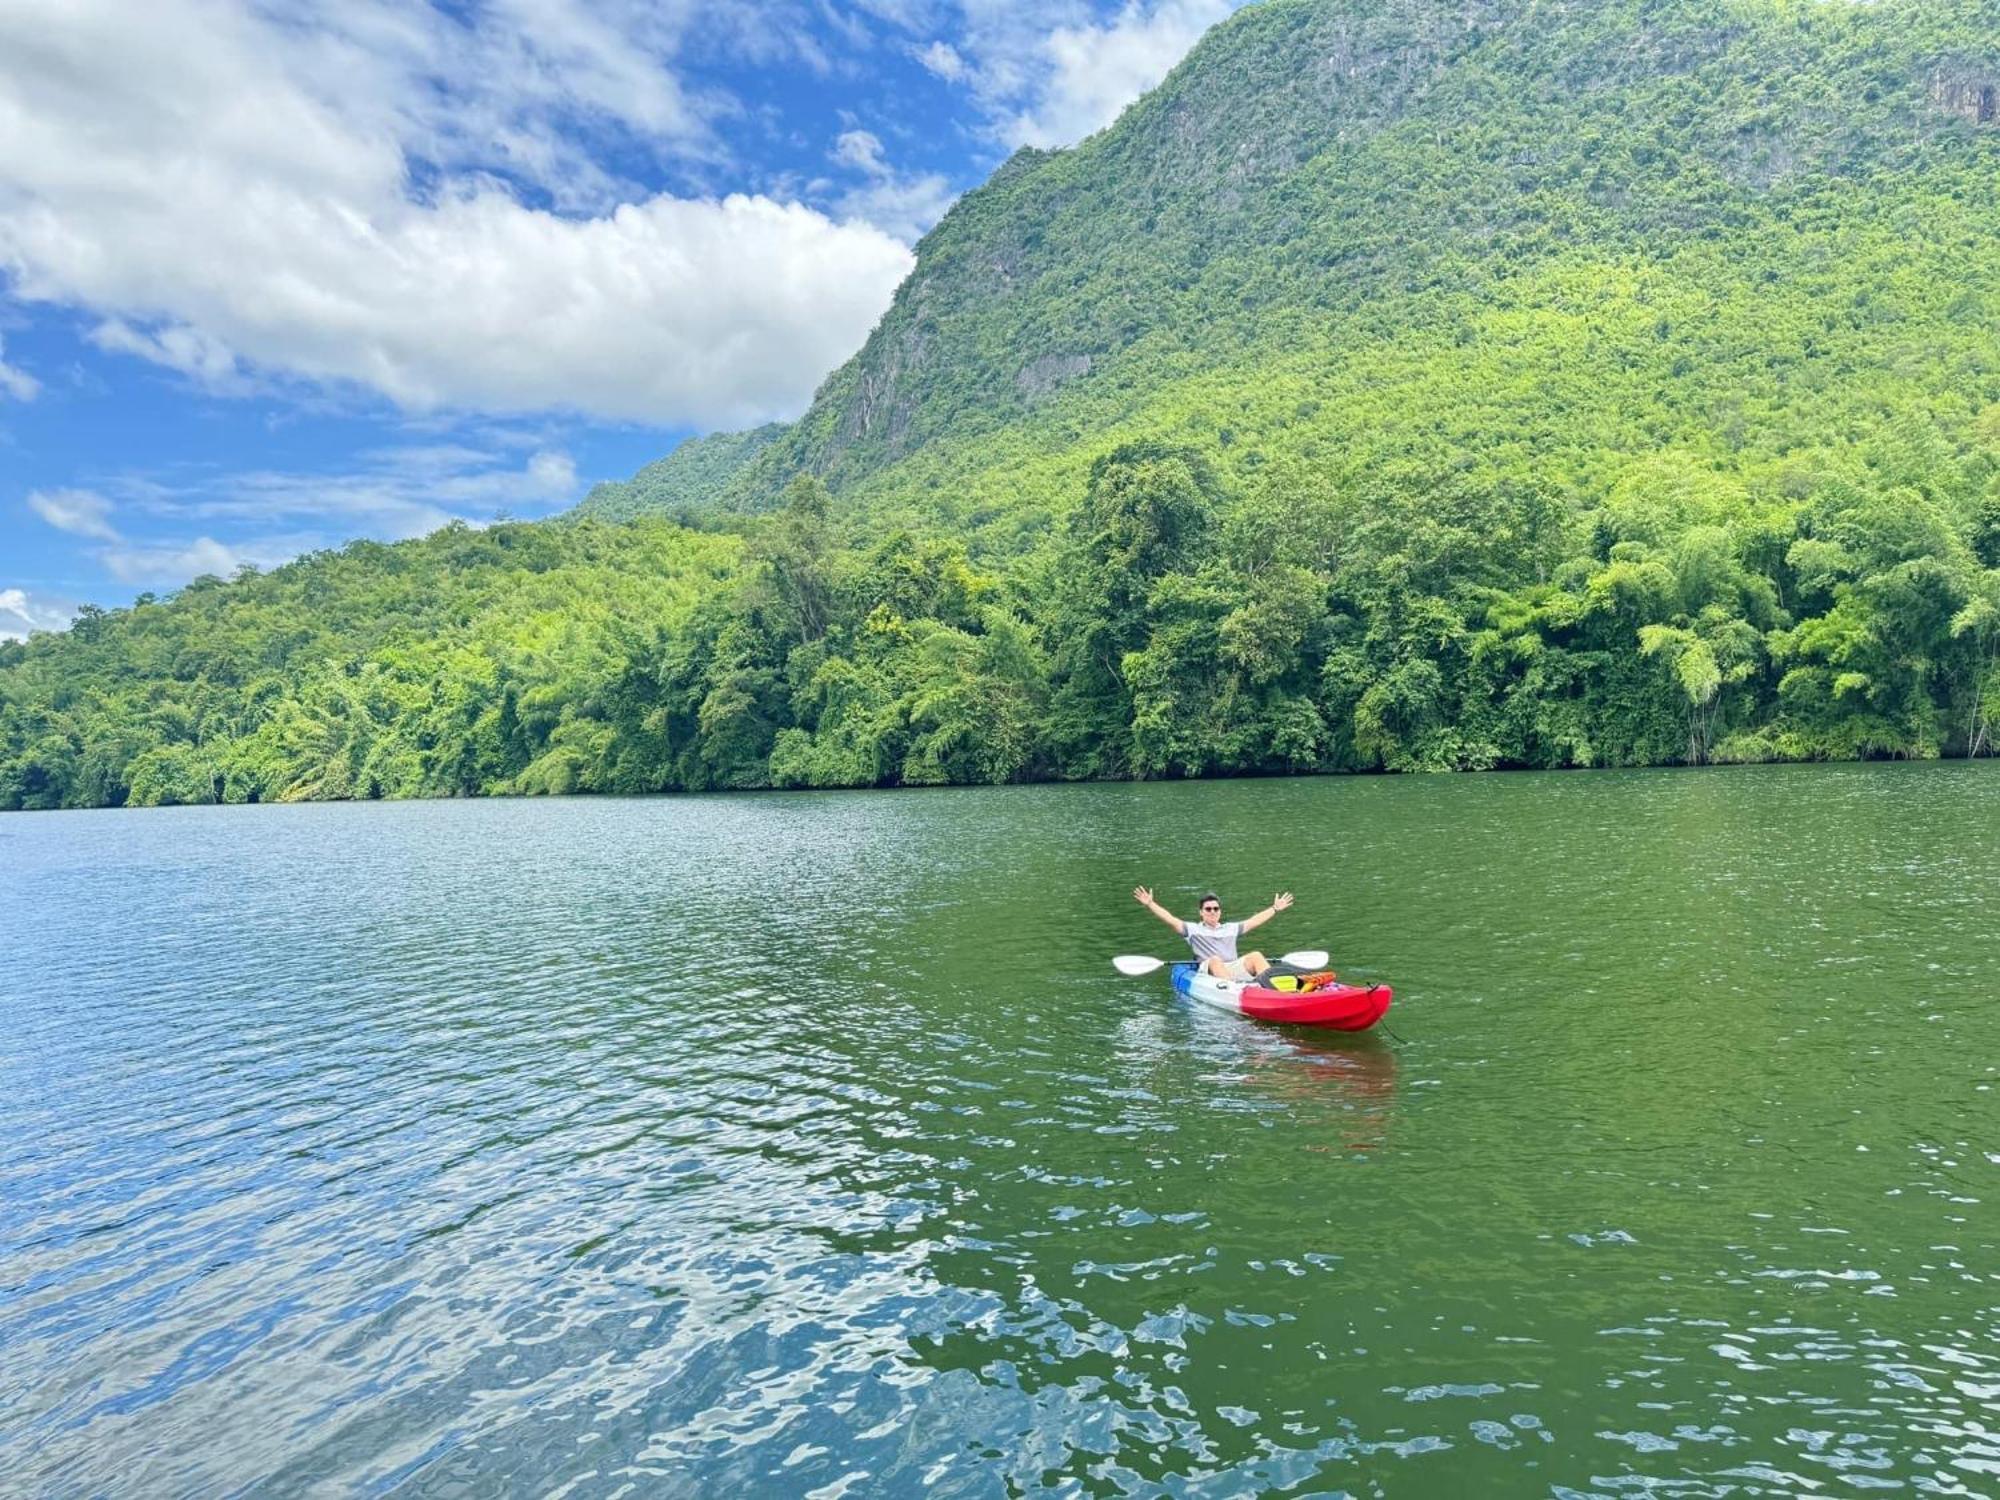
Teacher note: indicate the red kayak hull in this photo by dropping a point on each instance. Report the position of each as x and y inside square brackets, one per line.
[1341, 1007]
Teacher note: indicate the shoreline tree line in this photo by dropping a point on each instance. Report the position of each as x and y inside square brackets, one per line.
[1170, 628]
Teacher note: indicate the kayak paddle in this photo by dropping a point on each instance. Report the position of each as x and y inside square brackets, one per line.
[1135, 964]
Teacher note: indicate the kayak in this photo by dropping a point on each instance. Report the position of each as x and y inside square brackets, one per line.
[1343, 1007]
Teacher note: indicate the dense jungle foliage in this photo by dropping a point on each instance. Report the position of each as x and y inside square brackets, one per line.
[1402, 385]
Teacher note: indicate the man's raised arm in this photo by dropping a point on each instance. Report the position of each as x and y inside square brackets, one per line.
[1278, 903]
[1144, 897]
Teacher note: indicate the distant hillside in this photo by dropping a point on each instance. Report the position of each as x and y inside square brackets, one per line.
[688, 478]
[1402, 385]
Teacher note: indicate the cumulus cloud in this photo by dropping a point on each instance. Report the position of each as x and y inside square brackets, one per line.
[1092, 71]
[338, 198]
[79, 512]
[443, 205]
[861, 150]
[21, 614]
[15, 382]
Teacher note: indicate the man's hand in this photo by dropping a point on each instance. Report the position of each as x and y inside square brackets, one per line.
[1144, 896]
[1257, 919]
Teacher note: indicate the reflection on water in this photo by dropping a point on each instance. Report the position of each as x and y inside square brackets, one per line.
[806, 1145]
[1358, 1081]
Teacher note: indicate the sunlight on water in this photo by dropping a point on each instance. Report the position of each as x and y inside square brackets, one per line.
[808, 1145]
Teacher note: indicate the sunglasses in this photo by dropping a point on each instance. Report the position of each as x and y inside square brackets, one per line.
[1211, 906]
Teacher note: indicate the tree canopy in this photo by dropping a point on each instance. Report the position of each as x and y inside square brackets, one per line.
[1402, 386]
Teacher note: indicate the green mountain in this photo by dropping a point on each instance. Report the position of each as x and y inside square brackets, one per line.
[687, 479]
[1401, 385]
[1555, 226]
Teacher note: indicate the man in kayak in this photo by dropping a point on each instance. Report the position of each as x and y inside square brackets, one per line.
[1214, 940]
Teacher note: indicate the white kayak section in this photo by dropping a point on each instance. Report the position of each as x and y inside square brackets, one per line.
[1224, 994]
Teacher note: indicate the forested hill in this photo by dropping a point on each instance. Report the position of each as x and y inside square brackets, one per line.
[1402, 385]
[1435, 194]
[685, 481]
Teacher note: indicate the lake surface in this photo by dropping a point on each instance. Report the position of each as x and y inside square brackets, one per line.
[808, 1145]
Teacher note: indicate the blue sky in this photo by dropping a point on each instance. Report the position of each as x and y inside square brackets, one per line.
[274, 276]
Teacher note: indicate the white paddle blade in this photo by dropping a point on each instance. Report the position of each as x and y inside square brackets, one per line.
[1135, 964]
[1312, 958]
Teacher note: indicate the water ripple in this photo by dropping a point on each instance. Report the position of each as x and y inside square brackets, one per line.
[801, 1145]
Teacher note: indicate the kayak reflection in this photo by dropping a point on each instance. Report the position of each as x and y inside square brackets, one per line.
[1336, 1091]
[1310, 1071]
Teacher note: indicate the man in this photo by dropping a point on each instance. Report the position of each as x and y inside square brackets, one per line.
[1214, 940]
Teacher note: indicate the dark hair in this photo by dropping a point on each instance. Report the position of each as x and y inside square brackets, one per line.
[1211, 896]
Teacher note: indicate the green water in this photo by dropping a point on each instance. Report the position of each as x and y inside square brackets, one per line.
[809, 1145]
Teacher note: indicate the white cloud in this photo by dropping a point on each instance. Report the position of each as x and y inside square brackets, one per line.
[391, 493]
[396, 494]
[437, 203]
[861, 150]
[170, 564]
[944, 60]
[904, 206]
[246, 205]
[189, 350]
[21, 614]
[1050, 72]
[165, 531]
[16, 382]
[1093, 70]
[910, 15]
[88, 514]
[79, 512]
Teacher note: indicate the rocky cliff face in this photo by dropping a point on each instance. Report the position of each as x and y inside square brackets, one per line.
[1969, 91]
